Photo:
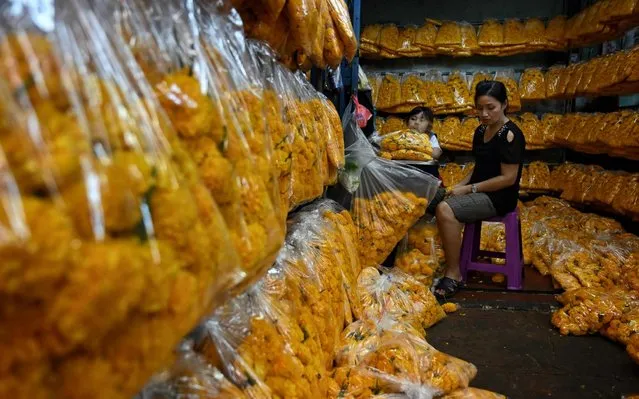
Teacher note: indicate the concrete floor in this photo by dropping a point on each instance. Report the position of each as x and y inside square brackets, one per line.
[508, 336]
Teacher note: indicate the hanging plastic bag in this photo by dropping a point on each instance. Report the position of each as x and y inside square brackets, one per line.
[507, 77]
[478, 77]
[491, 34]
[414, 90]
[369, 43]
[337, 247]
[387, 198]
[514, 36]
[443, 97]
[556, 33]
[425, 38]
[532, 85]
[229, 153]
[406, 47]
[461, 94]
[333, 47]
[449, 35]
[535, 34]
[469, 44]
[281, 132]
[342, 21]
[98, 163]
[390, 93]
[389, 41]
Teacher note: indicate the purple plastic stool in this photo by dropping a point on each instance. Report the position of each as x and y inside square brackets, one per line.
[514, 267]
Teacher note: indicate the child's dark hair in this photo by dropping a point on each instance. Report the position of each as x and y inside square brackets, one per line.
[492, 88]
[428, 113]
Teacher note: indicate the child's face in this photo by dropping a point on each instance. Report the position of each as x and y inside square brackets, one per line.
[419, 122]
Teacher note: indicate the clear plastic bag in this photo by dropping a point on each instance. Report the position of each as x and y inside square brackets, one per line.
[426, 37]
[469, 43]
[390, 92]
[260, 345]
[102, 205]
[400, 295]
[449, 34]
[473, 393]
[338, 245]
[281, 132]
[405, 140]
[535, 34]
[369, 43]
[206, 102]
[308, 161]
[556, 33]
[532, 128]
[514, 35]
[342, 21]
[414, 89]
[553, 75]
[393, 124]
[442, 94]
[407, 47]
[491, 34]
[389, 41]
[478, 77]
[461, 94]
[507, 77]
[387, 198]
[191, 376]
[532, 85]
[587, 310]
[394, 358]
[420, 253]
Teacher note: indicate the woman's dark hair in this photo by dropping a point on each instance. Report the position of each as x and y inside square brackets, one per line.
[428, 113]
[492, 88]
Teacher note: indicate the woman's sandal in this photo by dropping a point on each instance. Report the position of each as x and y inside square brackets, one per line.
[446, 289]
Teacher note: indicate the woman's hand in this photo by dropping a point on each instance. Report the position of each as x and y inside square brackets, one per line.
[459, 190]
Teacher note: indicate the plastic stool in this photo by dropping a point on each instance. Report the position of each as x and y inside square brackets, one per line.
[470, 251]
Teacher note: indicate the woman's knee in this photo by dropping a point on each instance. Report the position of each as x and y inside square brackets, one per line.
[445, 213]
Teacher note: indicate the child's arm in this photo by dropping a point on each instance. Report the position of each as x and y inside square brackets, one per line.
[437, 150]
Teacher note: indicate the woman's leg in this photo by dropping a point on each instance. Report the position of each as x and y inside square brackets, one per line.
[450, 230]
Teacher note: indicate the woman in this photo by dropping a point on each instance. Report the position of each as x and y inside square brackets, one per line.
[421, 120]
[493, 187]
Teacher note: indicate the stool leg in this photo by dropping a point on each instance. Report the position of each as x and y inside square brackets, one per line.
[466, 250]
[513, 254]
[476, 241]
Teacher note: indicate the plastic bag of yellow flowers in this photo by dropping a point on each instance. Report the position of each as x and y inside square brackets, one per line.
[192, 377]
[387, 198]
[112, 248]
[281, 131]
[207, 95]
[328, 238]
[405, 144]
[391, 291]
[421, 254]
[392, 357]
[256, 338]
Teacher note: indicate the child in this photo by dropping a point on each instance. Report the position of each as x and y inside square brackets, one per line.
[421, 119]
